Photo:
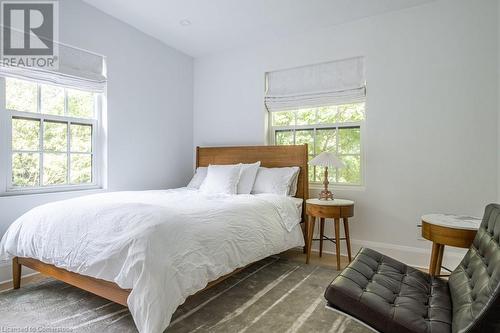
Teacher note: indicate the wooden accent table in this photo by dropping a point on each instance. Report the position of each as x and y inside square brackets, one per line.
[334, 209]
[447, 229]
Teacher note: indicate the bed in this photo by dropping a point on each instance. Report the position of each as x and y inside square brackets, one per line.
[150, 250]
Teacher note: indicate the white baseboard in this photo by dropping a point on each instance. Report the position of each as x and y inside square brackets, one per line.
[413, 256]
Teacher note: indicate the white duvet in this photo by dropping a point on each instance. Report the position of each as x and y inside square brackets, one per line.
[164, 245]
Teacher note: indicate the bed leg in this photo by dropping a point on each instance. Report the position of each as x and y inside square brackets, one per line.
[16, 273]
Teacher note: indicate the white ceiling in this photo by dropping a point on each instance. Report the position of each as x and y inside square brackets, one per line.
[222, 24]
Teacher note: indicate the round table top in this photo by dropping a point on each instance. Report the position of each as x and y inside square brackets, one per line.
[334, 202]
[453, 221]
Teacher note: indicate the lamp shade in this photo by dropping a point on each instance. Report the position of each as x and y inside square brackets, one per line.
[326, 159]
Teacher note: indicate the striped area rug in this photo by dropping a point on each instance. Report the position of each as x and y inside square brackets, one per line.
[273, 295]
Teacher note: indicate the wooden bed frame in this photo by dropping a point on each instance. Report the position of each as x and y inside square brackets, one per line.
[269, 156]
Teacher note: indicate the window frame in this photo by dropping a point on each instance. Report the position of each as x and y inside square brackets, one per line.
[6, 149]
[318, 126]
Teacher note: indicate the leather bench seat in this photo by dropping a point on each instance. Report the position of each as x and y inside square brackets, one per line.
[391, 296]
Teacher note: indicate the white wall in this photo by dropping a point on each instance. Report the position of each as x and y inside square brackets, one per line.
[498, 92]
[150, 135]
[432, 110]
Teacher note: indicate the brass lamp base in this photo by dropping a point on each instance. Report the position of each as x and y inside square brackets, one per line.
[325, 194]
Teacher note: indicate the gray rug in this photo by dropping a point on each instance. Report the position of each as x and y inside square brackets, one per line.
[273, 295]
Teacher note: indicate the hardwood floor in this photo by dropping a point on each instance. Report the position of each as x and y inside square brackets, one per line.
[327, 259]
[24, 280]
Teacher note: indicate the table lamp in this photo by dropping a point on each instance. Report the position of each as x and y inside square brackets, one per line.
[326, 159]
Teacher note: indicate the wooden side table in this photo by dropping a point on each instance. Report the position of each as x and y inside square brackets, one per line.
[447, 229]
[334, 209]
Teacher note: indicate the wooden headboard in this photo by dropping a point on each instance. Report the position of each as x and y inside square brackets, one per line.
[269, 156]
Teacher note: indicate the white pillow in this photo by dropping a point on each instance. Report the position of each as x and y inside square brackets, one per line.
[198, 178]
[293, 187]
[274, 180]
[221, 179]
[247, 177]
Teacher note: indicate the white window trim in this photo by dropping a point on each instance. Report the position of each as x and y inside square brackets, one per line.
[319, 185]
[6, 115]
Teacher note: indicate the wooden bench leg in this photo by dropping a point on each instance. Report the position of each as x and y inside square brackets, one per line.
[16, 273]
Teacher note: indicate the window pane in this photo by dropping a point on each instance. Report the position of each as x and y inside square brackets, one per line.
[25, 134]
[52, 98]
[351, 174]
[332, 175]
[20, 95]
[326, 140]
[81, 138]
[306, 117]
[81, 168]
[320, 175]
[55, 168]
[311, 169]
[327, 115]
[341, 113]
[351, 112]
[284, 138]
[349, 141]
[55, 136]
[80, 103]
[284, 118]
[305, 136]
[25, 169]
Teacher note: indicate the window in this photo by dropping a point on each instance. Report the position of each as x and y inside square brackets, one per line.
[335, 128]
[322, 105]
[51, 134]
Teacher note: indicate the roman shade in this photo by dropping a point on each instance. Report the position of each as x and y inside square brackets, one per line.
[77, 68]
[317, 85]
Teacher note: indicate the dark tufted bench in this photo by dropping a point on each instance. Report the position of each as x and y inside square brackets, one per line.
[392, 297]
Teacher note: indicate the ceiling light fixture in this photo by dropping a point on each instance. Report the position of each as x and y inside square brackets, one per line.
[185, 22]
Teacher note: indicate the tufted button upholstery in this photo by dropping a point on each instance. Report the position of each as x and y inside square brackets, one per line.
[392, 297]
[475, 283]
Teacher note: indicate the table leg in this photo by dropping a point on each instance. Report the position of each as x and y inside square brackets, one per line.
[310, 232]
[439, 262]
[347, 238]
[434, 259]
[304, 232]
[321, 231]
[337, 241]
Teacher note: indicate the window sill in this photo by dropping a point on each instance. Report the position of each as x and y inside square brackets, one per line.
[50, 190]
[319, 186]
